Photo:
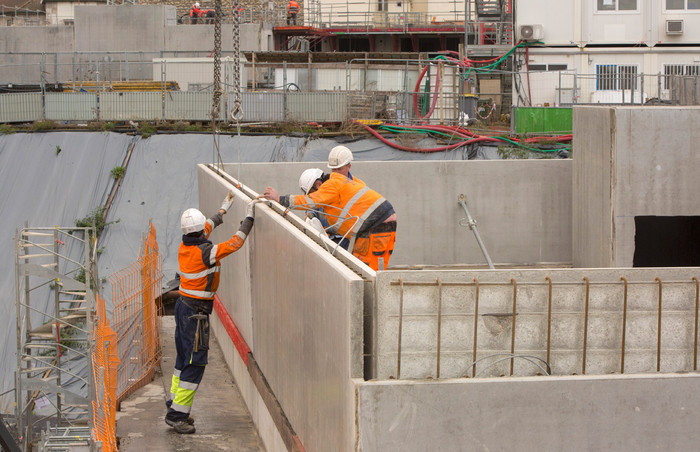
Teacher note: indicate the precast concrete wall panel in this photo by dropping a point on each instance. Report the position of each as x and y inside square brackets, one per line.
[20, 107]
[185, 38]
[131, 106]
[304, 310]
[522, 207]
[596, 321]
[117, 28]
[581, 413]
[592, 192]
[634, 162]
[71, 106]
[17, 39]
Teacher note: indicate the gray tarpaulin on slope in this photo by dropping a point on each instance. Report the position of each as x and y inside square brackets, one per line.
[46, 189]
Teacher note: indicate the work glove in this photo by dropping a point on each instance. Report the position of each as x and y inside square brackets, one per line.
[250, 212]
[228, 200]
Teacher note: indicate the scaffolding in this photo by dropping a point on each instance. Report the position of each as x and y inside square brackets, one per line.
[56, 286]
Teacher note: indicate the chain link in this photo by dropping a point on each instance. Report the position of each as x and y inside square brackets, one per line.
[217, 61]
[237, 110]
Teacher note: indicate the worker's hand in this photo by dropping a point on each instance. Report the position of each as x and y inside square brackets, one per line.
[271, 193]
[228, 200]
[250, 211]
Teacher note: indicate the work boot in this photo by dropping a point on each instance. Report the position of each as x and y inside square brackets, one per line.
[183, 428]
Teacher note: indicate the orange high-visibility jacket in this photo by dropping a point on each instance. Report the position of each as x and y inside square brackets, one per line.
[195, 12]
[292, 7]
[199, 259]
[347, 203]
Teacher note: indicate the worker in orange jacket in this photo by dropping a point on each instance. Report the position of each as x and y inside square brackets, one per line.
[199, 269]
[352, 209]
[292, 11]
[195, 12]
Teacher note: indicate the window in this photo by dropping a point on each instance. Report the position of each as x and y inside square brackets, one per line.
[616, 77]
[621, 5]
[547, 67]
[679, 69]
[666, 241]
[682, 4]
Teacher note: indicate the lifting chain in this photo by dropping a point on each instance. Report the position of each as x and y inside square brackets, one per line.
[237, 110]
[217, 62]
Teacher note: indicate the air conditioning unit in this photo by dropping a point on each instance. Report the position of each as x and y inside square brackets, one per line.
[531, 32]
[674, 27]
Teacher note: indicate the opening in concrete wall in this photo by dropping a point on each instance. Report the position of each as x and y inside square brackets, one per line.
[666, 241]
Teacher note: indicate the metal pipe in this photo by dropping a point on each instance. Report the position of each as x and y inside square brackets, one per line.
[472, 225]
[398, 354]
[658, 345]
[585, 327]
[512, 336]
[695, 346]
[476, 319]
[439, 325]
[624, 326]
[549, 316]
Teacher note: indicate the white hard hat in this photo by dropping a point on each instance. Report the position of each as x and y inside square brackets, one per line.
[192, 220]
[339, 157]
[308, 178]
[196, 4]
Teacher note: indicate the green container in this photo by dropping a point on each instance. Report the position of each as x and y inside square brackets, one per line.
[543, 119]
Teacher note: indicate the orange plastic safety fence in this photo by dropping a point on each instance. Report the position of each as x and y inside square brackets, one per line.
[105, 361]
[136, 319]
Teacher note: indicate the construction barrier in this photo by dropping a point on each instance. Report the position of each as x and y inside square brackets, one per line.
[105, 361]
[135, 317]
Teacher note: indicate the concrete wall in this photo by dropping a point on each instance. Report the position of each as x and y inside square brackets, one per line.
[634, 161]
[300, 311]
[588, 331]
[522, 207]
[640, 413]
[34, 39]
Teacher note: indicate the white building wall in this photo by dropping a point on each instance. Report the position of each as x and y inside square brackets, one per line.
[579, 22]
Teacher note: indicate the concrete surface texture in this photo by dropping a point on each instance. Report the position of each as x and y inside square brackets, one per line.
[522, 207]
[150, 28]
[306, 325]
[599, 413]
[634, 162]
[430, 316]
[222, 420]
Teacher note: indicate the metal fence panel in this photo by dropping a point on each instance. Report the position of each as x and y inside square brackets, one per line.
[71, 106]
[184, 105]
[324, 107]
[261, 106]
[20, 107]
[131, 106]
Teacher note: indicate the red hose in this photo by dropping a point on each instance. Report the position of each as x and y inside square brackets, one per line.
[415, 94]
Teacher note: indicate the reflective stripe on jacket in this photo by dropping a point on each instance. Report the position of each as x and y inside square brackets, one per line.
[347, 203]
[200, 260]
[293, 7]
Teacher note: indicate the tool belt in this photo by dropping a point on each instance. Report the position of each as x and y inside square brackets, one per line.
[202, 310]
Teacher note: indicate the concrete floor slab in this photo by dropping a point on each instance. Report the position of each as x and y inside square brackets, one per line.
[221, 417]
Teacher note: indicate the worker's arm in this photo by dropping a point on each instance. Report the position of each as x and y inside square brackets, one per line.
[327, 194]
[223, 249]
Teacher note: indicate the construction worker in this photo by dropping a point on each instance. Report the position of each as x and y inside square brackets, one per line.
[292, 11]
[195, 12]
[200, 262]
[209, 16]
[310, 181]
[352, 209]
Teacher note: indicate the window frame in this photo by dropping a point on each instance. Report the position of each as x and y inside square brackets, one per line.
[684, 9]
[617, 9]
[621, 78]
